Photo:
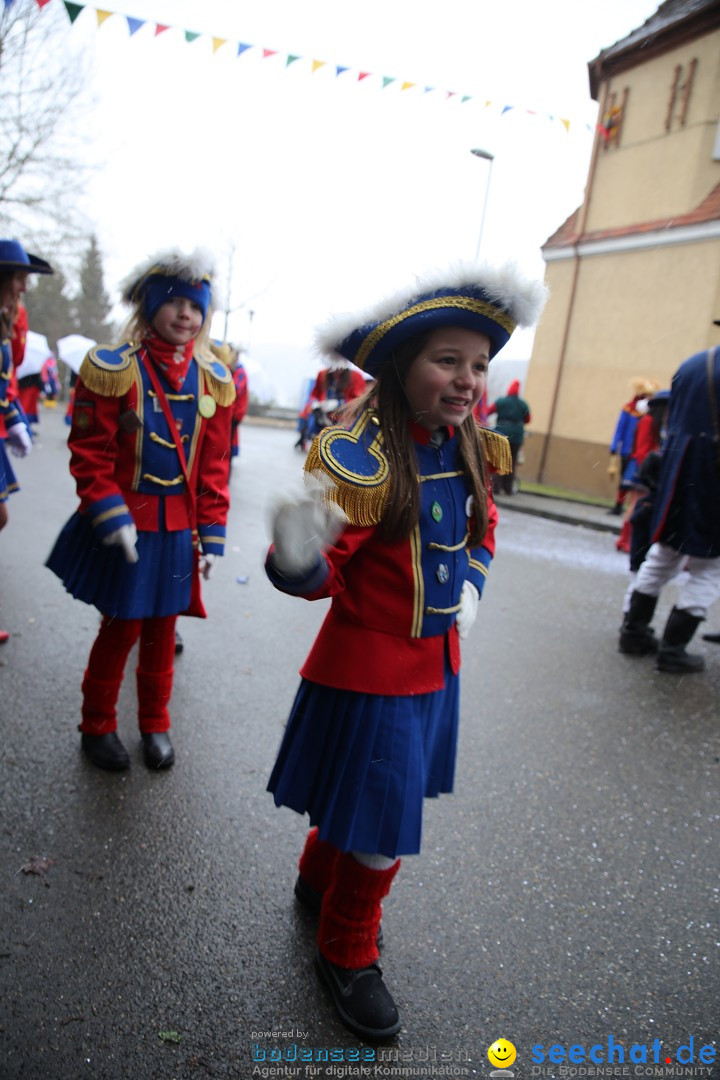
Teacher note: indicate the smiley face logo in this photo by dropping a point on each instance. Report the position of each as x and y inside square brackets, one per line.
[502, 1053]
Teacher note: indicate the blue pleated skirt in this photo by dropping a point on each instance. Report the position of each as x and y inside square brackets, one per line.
[158, 583]
[8, 480]
[361, 764]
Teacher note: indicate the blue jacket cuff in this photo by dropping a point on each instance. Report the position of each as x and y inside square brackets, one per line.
[480, 559]
[212, 539]
[108, 514]
[309, 583]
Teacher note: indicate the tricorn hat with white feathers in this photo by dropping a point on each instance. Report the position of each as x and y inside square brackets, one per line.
[491, 300]
[168, 274]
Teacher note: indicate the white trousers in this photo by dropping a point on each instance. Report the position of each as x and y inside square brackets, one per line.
[662, 563]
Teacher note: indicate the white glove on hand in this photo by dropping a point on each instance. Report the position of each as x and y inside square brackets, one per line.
[469, 600]
[303, 528]
[206, 564]
[126, 537]
[19, 440]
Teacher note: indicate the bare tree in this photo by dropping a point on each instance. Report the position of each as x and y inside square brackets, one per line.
[42, 153]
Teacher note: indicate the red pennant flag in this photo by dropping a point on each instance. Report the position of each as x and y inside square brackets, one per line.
[41, 3]
[160, 29]
[363, 75]
[269, 52]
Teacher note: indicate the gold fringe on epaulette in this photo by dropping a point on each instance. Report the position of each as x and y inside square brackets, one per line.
[106, 381]
[497, 450]
[223, 392]
[362, 505]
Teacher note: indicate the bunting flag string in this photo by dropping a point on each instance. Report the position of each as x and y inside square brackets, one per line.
[402, 85]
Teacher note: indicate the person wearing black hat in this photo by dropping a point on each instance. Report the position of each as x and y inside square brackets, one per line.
[150, 454]
[685, 528]
[15, 266]
[399, 530]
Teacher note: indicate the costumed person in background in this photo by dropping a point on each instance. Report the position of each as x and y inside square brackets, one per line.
[150, 454]
[230, 355]
[15, 265]
[334, 387]
[513, 413]
[51, 382]
[641, 477]
[685, 529]
[622, 441]
[400, 536]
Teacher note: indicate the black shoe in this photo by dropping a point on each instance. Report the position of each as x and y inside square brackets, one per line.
[179, 644]
[361, 998]
[158, 750]
[311, 900]
[105, 751]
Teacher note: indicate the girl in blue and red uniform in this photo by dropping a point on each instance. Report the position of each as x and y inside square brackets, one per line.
[150, 453]
[15, 266]
[399, 533]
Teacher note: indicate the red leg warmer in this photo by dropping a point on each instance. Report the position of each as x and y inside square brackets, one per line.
[155, 673]
[351, 912]
[317, 862]
[104, 673]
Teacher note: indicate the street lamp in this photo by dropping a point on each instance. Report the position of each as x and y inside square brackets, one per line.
[477, 152]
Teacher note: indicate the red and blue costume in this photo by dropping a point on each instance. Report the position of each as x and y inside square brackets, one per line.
[373, 730]
[126, 464]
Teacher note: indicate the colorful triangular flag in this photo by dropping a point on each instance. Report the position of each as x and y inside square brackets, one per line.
[218, 42]
[134, 24]
[73, 10]
[191, 35]
[317, 64]
[102, 16]
[160, 29]
[291, 58]
[387, 79]
[242, 47]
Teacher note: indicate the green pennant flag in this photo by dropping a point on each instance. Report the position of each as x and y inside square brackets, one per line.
[387, 79]
[73, 10]
[190, 36]
[290, 59]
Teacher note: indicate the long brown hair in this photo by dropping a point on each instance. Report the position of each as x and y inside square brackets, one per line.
[388, 399]
[7, 314]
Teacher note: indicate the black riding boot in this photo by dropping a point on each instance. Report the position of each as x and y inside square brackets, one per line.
[636, 635]
[679, 629]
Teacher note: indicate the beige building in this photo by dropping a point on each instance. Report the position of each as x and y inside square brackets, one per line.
[634, 273]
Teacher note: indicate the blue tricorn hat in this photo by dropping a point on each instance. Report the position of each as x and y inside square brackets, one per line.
[13, 257]
[487, 299]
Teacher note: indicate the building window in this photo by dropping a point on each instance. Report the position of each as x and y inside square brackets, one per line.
[611, 126]
[680, 92]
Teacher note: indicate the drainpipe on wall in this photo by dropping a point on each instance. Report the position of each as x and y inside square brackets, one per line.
[573, 288]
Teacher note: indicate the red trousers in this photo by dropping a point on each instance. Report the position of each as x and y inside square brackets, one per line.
[106, 667]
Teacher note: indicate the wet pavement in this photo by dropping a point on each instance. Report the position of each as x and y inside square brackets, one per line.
[566, 896]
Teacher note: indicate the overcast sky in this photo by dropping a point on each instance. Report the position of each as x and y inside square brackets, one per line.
[332, 189]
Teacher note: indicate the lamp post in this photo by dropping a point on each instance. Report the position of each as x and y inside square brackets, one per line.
[477, 152]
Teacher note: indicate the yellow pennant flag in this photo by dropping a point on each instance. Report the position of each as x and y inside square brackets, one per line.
[565, 124]
[102, 16]
[218, 42]
[318, 64]
[407, 85]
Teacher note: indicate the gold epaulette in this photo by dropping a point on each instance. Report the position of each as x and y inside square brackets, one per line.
[497, 450]
[353, 461]
[109, 370]
[218, 379]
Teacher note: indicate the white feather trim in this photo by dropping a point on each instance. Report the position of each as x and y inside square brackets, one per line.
[523, 298]
[173, 262]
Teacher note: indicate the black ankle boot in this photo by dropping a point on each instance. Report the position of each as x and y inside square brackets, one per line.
[637, 638]
[105, 751]
[157, 750]
[361, 998]
[672, 657]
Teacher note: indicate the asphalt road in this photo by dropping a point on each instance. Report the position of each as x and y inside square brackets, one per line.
[567, 893]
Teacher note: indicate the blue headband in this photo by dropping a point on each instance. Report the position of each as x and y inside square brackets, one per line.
[159, 288]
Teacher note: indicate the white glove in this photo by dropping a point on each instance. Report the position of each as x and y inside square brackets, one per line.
[19, 439]
[303, 528]
[469, 600]
[206, 564]
[126, 537]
